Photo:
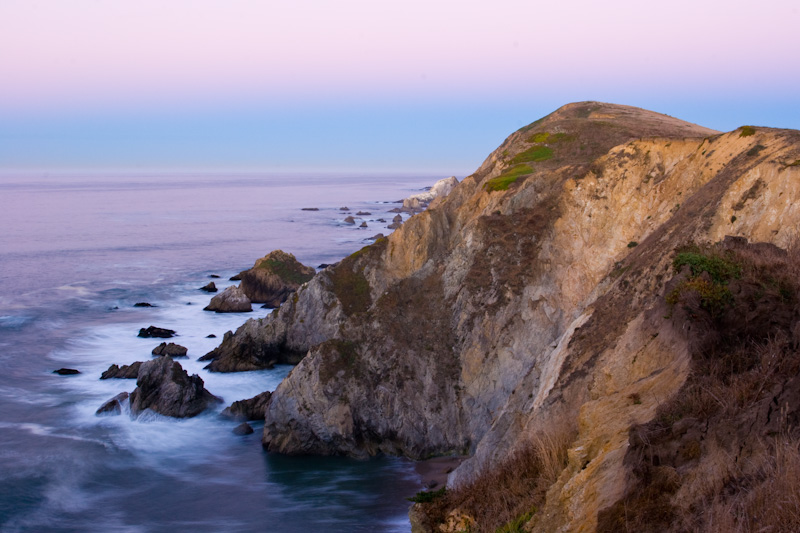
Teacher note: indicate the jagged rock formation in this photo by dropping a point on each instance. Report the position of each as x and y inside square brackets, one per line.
[165, 387]
[251, 409]
[115, 371]
[171, 349]
[417, 203]
[274, 277]
[532, 296]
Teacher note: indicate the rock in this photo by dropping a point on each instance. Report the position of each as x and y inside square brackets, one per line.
[363, 225]
[344, 209]
[237, 277]
[143, 304]
[154, 332]
[66, 372]
[251, 409]
[211, 287]
[171, 349]
[397, 221]
[323, 265]
[243, 429]
[363, 213]
[349, 220]
[112, 406]
[164, 387]
[376, 237]
[214, 276]
[231, 300]
[309, 209]
[418, 202]
[124, 372]
[274, 277]
[211, 336]
[395, 210]
[381, 220]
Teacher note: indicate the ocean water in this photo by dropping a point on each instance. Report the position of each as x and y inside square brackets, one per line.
[76, 253]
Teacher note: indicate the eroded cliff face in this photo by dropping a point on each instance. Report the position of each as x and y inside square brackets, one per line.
[530, 297]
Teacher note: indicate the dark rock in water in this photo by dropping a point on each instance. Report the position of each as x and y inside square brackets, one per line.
[243, 429]
[349, 220]
[363, 225]
[171, 349]
[213, 276]
[211, 287]
[274, 277]
[154, 332]
[395, 210]
[237, 277]
[165, 387]
[113, 406]
[363, 213]
[231, 300]
[309, 209]
[397, 221]
[251, 409]
[382, 220]
[323, 265]
[344, 209]
[143, 304]
[66, 371]
[122, 372]
[211, 336]
[376, 237]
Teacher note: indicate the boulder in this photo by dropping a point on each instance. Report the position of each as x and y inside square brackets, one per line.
[154, 332]
[66, 371]
[214, 276]
[243, 429]
[211, 336]
[363, 224]
[250, 409]
[165, 387]
[113, 406]
[171, 349]
[349, 220]
[211, 287]
[122, 372]
[397, 221]
[231, 300]
[274, 277]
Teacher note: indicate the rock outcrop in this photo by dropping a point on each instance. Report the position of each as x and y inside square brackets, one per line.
[115, 371]
[164, 387]
[274, 277]
[528, 302]
[156, 332]
[250, 409]
[231, 300]
[113, 406]
[417, 203]
[171, 349]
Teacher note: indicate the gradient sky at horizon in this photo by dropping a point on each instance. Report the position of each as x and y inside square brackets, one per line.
[364, 85]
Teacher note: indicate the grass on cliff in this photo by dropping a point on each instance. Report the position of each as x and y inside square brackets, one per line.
[724, 453]
[507, 497]
[289, 270]
[504, 180]
[534, 154]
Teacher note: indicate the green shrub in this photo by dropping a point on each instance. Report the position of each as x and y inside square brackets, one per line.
[502, 182]
[427, 496]
[516, 525]
[537, 153]
[720, 268]
[747, 131]
[633, 244]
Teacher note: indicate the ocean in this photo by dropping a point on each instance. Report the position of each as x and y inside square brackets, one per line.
[77, 251]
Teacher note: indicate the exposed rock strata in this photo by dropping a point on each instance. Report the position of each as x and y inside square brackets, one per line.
[518, 301]
[274, 277]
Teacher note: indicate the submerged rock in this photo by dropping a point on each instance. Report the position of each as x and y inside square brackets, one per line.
[66, 371]
[153, 331]
[243, 429]
[231, 300]
[171, 349]
[274, 277]
[113, 406]
[250, 409]
[165, 387]
[122, 372]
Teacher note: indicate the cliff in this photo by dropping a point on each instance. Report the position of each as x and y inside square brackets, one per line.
[526, 307]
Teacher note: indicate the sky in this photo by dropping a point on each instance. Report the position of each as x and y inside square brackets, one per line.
[372, 85]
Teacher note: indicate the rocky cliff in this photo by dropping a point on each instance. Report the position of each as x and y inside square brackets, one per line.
[526, 306]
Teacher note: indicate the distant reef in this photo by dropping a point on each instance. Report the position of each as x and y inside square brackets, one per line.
[604, 319]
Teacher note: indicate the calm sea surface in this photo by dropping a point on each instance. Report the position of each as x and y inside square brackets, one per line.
[76, 252]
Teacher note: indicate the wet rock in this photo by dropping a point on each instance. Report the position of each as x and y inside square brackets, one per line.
[165, 387]
[363, 213]
[66, 371]
[349, 220]
[113, 406]
[211, 287]
[237, 277]
[243, 429]
[309, 209]
[376, 237]
[211, 336]
[214, 276]
[143, 304]
[154, 332]
[363, 225]
[250, 409]
[171, 349]
[274, 277]
[344, 209]
[231, 300]
[122, 372]
[397, 221]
